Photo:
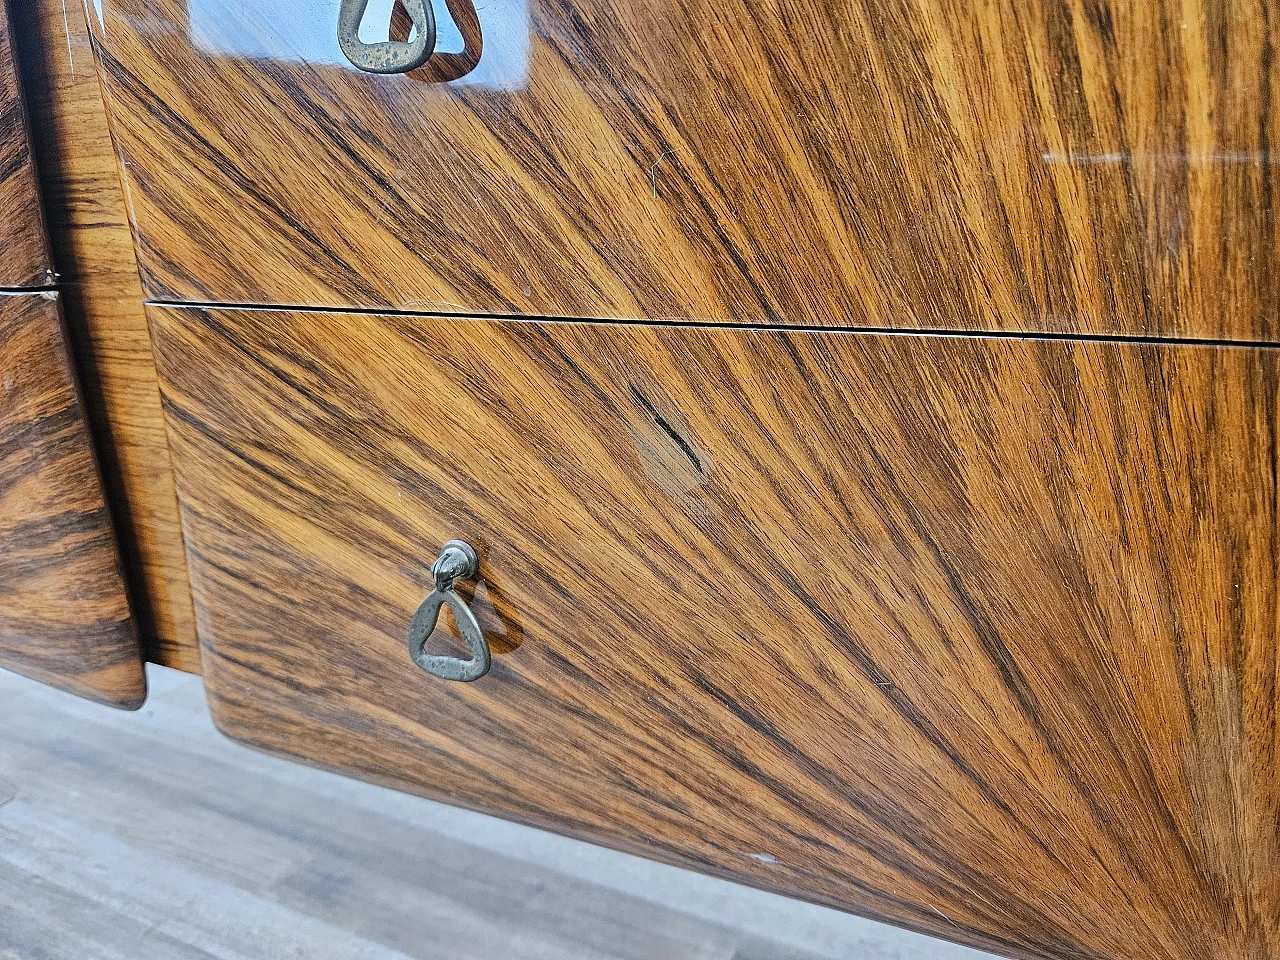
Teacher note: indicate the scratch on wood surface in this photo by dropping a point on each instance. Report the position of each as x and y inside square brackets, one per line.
[944, 916]
[653, 171]
[66, 26]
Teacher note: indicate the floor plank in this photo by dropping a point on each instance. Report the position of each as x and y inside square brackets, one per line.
[148, 836]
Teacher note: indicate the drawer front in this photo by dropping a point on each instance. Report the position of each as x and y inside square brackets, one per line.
[1097, 168]
[64, 615]
[974, 635]
[24, 251]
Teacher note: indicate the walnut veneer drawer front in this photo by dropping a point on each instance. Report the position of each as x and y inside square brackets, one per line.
[978, 635]
[1015, 165]
[64, 615]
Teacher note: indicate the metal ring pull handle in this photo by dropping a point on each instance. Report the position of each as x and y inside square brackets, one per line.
[389, 56]
[457, 561]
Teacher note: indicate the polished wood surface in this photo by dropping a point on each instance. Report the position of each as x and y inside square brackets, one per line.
[64, 616]
[24, 254]
[1100, 168]
[102, 301]
[978, 635]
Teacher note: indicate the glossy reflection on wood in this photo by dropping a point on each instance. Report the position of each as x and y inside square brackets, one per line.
[24, 254]
[1096, 167]
[64, 616]
[972, 634]
[98, 280]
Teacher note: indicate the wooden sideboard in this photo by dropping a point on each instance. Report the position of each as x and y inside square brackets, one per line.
[864, 417]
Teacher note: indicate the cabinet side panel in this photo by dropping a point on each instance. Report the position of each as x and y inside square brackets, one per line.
[102, 302]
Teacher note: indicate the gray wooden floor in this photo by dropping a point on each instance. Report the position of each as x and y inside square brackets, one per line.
[149, 836]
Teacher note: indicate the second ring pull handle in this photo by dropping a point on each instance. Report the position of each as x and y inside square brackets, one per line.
[389, 56]
[457, 561]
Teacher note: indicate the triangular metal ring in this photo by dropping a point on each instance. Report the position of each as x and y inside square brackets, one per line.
[449, 668]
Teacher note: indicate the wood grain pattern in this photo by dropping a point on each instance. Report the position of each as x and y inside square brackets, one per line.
[977, 635]
[64, 615]
[1074, 166]
[102, 303]
[24, 254]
